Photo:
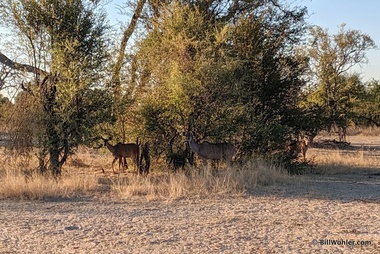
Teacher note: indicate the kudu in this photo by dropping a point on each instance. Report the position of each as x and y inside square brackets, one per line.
[122, 151]
[211, 151]
[299, 147]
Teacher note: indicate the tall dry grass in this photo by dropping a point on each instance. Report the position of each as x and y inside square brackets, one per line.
[19, 180]
[16, 184]
[79, 179]
[365, 131]
[344, 162]
[203, 183]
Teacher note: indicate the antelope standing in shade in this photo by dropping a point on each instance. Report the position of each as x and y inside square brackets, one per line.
[122, 151]
[299, 147]
[211, 151]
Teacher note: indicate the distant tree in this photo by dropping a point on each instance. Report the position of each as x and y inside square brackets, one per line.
[367, 111]
[333, 88]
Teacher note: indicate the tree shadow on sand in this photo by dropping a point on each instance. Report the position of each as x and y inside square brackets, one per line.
[361, 186]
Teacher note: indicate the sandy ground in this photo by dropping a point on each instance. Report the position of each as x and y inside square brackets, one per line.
[293, 219]
[315, 214]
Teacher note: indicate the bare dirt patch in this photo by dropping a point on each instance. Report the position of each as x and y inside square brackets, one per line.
[233, 225]
[295, 218]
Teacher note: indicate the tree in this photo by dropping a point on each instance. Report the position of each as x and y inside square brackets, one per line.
[367, 110]
[331, 58]
[65, 47]
[268, 78]
[226, 72]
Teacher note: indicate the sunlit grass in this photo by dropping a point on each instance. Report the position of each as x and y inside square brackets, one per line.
[328, 161]
[200, 183]
[83, 176]
[20, 186]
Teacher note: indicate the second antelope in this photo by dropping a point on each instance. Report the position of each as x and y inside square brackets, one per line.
[299, 147]
[122, 151]
[211, 151]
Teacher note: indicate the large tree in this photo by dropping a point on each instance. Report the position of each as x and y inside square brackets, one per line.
[63, 44]
[225, 71]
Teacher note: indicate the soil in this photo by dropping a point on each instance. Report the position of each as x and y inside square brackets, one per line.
[297, 218]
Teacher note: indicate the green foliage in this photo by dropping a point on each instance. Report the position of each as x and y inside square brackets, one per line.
[367, 110]
[228, 71]
[66, 42]
[335, 92]
[226, 81]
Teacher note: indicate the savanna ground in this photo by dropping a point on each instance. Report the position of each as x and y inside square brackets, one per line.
[258, 209]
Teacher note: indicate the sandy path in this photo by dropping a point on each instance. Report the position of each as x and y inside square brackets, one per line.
[233, 225]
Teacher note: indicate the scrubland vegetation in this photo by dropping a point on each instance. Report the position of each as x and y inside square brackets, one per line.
[88, 174]
[253, 74]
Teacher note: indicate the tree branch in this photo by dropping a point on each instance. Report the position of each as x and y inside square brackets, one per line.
[127, 34]
[20, 67]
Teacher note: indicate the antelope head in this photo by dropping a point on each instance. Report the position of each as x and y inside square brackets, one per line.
[189, 136]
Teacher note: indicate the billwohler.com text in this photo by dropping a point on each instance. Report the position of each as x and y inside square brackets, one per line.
[340, 242]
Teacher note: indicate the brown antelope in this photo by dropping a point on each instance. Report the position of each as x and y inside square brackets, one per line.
[299, 147]
[211, 151]
[122, 151]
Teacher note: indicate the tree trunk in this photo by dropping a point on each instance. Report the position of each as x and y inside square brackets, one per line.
[52, 135]
[54, 161]
[126, 36]
[115, 80]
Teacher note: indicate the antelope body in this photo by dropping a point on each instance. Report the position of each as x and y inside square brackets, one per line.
[122, 151]
[211, 151]
[299, 147]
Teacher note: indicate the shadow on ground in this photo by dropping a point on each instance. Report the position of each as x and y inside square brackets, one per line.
[341, 187]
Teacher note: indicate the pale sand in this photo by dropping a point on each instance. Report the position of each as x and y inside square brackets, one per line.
[287, 221]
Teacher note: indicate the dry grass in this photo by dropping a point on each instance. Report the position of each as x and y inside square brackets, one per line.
[365, 131]
[200, 183]
[82, 177]
[363, 155]
[20, 180]
[328, 161]
[18, 185]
